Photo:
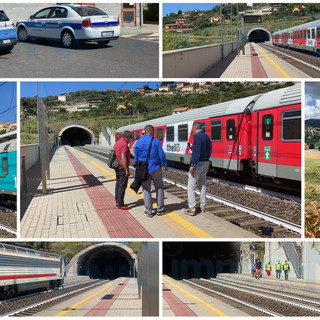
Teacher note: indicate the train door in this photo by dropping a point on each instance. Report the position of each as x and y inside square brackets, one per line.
[231, 158]
[311, 37]
[289, 149]
[265, 146]
[290, 37]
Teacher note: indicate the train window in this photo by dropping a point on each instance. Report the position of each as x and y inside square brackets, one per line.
[267, 127]
[291, 125]
[183, 132]
[231, 129]
[170, 133]
[313, 33]
[4, 166]
[159, 133]
[318, 33]
[216, 130]
[137, 135]
[203, 126]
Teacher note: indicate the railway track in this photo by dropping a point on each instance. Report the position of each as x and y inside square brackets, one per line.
[305, 62]
[28, 305]
[8, 223]
[257, 301]
[234, 205]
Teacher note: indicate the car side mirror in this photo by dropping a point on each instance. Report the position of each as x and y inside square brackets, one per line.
[31, 17]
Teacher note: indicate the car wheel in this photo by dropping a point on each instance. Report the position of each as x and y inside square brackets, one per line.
[67, 39]
[22, 34]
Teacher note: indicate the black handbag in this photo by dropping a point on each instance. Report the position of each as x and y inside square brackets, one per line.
[142, 172]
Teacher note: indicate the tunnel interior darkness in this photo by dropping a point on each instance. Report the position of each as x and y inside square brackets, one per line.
[185, 260]
[75, 136]
[106, 263]
[258, 35]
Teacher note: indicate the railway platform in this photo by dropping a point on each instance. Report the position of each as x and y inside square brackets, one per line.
[80, 204]
[257, 62]
[116, 298]
[179, 299]
[296, 284]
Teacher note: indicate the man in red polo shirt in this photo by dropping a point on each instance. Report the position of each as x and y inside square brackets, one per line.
[122, 153]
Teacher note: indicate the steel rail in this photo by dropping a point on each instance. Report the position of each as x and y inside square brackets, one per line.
[293, 58]
[261, 215]
[8, 229]
[230, 183]
[12, 313]
[250, 305]
[263, 290]
[265, 216]
[300, 305]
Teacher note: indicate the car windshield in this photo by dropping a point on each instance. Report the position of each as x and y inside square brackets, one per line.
[88, 11]
[3, 16]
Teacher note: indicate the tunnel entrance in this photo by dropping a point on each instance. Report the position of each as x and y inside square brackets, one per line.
[76, 136]
[185, 260]
[259, 35]
[104, 261]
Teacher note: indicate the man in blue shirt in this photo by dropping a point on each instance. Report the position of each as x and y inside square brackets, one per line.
[199, 163]
[156, 160]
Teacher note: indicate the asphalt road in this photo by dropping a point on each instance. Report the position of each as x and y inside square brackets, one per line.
[122, 58]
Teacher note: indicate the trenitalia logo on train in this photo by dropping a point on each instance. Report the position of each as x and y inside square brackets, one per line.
[257, 137]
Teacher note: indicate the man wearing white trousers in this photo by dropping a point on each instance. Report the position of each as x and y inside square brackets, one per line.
[199, 163]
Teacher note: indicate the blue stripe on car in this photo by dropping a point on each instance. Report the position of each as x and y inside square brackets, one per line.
[9, 33]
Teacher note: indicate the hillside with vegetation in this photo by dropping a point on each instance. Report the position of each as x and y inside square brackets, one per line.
[206, 32]
[137, 106]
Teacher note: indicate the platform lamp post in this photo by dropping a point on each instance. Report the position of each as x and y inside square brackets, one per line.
[43, 141]
[222, 32]
[242, 31]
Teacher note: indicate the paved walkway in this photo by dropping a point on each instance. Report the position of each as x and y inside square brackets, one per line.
[255, 63]
[180, 299]
[117, 298]
[80, 204]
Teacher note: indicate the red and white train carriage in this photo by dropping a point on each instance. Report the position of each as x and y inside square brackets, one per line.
[259, 134]
[304, 37]
[23, 269]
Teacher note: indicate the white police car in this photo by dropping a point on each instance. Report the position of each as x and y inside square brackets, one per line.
[70, 24]
[8, 34]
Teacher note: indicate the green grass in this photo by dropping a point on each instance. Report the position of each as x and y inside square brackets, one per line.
[312, 192]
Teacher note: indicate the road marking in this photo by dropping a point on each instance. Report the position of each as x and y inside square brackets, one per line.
[212, 310]
[182, 226]
[76, 305]
[280, 71]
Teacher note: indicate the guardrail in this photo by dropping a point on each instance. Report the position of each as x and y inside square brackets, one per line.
[194, 62]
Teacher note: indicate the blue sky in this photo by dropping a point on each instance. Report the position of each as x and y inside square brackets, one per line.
[175, 7]
[28, 89]
[8, 102]
[312, 109]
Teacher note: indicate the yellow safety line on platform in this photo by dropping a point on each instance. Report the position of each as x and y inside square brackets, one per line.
[280, 71]
[185, 228]
[214, 311]
[76, 305]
